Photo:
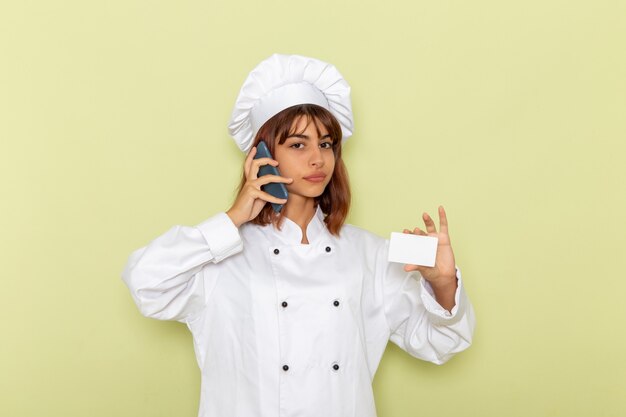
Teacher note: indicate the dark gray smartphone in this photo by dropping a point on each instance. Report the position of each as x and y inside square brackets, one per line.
[277, 189]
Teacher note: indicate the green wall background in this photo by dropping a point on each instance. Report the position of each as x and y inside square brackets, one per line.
[511, 114]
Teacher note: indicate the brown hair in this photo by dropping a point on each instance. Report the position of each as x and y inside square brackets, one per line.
[335, 200]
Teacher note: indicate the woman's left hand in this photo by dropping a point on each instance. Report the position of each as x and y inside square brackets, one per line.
[444, 271]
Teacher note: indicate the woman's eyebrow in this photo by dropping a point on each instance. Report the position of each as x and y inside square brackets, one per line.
[306, 136]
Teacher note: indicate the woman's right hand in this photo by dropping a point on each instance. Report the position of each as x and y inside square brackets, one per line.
[252, 199]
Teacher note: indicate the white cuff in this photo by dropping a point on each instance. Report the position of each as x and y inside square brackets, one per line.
[222, 236]
[432, 306]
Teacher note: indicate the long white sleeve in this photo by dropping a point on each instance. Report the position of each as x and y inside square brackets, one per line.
[418, 324]
[168, 278]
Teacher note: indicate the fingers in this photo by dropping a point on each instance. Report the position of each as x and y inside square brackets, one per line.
[258, 194]
[253, 188]
[248, 161]
[262, 195]
[430, 224]
[266, 179]
[409, 268]
[416, 231]
[255, 166]
[254, 191]
[443, 221]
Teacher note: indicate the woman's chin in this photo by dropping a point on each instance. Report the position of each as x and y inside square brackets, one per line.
[309, 193]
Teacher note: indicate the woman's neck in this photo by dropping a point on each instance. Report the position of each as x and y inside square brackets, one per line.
[300, 210]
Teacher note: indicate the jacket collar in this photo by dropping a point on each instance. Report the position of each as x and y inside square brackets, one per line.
[291, 234]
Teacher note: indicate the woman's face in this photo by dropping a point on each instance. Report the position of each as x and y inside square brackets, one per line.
[307, 158]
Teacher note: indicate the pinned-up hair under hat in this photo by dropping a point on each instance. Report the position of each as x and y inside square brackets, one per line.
[282, 81]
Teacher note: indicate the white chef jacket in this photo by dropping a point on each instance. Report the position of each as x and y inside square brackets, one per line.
[284, 329]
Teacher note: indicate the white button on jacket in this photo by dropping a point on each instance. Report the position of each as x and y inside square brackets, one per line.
[283, 329]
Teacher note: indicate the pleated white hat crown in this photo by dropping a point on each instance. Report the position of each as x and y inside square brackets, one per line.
[282, 81]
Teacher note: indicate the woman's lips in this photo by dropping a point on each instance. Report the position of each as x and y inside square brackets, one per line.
[315, 178]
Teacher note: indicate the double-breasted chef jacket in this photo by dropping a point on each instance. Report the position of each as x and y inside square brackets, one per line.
[284, 329]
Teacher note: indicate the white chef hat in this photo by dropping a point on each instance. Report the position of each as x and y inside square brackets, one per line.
[282, 81]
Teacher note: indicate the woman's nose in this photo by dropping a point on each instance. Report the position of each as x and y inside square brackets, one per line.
[316, 157]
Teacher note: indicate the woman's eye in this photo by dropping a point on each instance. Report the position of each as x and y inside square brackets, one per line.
[297, 145]
[326, 145]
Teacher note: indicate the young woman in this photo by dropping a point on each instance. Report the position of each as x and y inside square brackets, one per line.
[291, 312]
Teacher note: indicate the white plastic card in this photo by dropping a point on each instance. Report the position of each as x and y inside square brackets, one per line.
[412, 249]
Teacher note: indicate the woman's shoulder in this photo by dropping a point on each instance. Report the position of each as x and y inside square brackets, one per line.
[362, 243]
[356, 233]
